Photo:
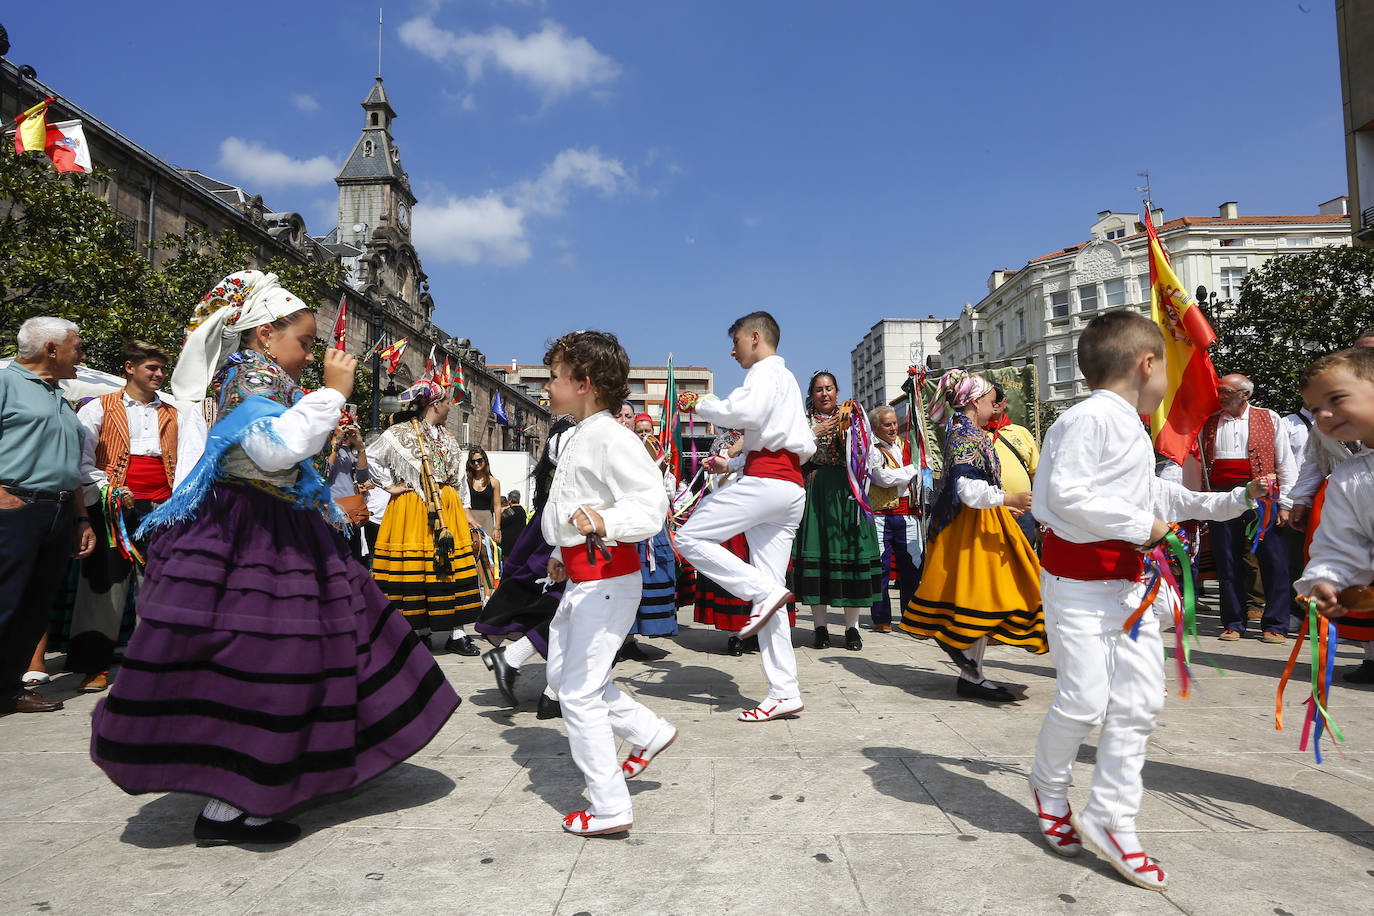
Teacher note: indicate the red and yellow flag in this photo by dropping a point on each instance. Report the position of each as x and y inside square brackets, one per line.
[1192, 394]
[32, 133]
[341, 324]
[392, 355]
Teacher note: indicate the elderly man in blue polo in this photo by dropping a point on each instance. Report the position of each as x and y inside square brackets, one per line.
[42, 517]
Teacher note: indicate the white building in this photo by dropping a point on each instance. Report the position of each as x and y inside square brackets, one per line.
[647, 385]
[1036, 313]
[879, 363]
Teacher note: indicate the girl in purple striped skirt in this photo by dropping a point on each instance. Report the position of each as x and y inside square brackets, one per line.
[267, 668]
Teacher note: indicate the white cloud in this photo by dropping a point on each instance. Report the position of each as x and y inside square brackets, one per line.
[469, 102]
[552, 61]
[494, 227]
[566, 259]
[305, 102]
[255, 164]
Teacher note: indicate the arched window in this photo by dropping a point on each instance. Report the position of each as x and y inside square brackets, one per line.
[375, 116]
[368, 147]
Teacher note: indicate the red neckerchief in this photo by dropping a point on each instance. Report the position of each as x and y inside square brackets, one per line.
[995, 427]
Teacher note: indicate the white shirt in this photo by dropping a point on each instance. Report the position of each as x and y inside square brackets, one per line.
[1297, 435]
[603, 466]
[285, 440]
[1233, 442]
[143, 437]
[1096, 478]
[768, 408]
[1320, 458]
[884, 476]
[1343, 547]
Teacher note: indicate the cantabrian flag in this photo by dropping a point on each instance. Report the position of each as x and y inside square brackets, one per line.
[1192, 394]
[64, 142]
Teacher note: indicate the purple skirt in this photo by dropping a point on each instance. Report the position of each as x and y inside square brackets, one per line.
[267, 668]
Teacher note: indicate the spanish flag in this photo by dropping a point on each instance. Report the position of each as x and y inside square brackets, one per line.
[32, 133]
[1192, 394]
[392, 355]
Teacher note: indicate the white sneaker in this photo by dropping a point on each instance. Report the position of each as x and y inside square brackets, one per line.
[1058, 833]
[641, 757]
[584, 823]
[773, 709]
[764, 610]
[1135, 867]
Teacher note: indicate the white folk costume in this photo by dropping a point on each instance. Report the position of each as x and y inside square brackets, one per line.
[1097, 495]
[130, 448]
[1342, 549]
[433, 592]
[765, 504]
[603, 467]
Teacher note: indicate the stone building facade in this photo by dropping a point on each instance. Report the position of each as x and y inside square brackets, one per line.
[386, 289]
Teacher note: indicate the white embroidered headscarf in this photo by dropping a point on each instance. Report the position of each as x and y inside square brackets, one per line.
[240, 302]
[957, 389]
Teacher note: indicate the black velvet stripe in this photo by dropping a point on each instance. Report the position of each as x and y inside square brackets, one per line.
[808, 586]
[224, 758]
[379, 678]
[932, 609]
[224, 712]
[252, 677]
[403, 715]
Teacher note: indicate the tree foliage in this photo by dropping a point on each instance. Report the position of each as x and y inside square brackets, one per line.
[1292, 310]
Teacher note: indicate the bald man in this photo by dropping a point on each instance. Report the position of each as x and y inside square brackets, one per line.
[1241, 442]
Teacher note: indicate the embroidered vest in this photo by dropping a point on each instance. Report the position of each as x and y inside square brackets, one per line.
[112, 448]
[884, 499]
[1259, 444]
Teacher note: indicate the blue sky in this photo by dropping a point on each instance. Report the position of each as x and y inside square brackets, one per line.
[658, 169]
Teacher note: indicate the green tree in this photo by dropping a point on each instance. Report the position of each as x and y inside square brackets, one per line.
[1292, 310]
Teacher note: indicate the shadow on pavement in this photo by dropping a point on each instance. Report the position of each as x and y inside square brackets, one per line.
[918, 682]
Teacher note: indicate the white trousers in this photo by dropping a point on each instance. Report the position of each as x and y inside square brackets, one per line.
[767, 512]
[1103, 678]
[592, 621]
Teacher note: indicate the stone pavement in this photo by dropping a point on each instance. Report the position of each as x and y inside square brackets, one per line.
[888, 795]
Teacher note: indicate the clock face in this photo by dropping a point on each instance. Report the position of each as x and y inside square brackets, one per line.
[403, 215]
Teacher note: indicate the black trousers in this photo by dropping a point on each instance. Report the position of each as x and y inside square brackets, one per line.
[36, 542]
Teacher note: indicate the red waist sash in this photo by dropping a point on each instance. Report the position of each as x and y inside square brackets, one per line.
[780, 465]
[147, 478]
[1229, 472]
[1091, 562]
[624, 560]
[903, 508]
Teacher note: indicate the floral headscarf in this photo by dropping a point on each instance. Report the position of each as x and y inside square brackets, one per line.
[957, 389]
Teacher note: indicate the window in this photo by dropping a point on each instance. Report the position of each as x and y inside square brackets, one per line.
[1001, 338]
[980, 341]
[1143, 281]
[1116, 233]
[368, 148]
[1116, 293]
[1063, 367]
[1020, 326]
[1298, 241]
[374, 119]
[1230, 279]
[1087, 297]
[1059, 305]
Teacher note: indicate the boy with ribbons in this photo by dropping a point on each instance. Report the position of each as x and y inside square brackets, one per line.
[1097, 495]
[765, 504]
[606, 497]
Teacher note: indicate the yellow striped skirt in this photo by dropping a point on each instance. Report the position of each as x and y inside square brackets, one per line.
[403, 564]
[980, 578]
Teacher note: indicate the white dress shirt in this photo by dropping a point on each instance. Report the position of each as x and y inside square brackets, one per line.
[1233, 442]
[1343, 547]
[603, 466]
[1320, 458]
[884, 476]
[768, 408]
[143, 437]
[1096, 478]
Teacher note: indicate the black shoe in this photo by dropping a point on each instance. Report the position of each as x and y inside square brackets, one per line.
[236, 832]
[548, 709]
[495, 660]
[852, 640]
[751, 644]
[822, 639]
[993, 693]
[632, 651]
[963, 661]
[735, 646]
[1361, 675]
[463, 645]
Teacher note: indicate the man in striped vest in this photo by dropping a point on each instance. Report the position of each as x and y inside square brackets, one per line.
[1242, 442]
[128, 464]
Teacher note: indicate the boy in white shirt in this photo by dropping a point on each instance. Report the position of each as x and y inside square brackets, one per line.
[606, 487]
[765, 504]
[1096, 493]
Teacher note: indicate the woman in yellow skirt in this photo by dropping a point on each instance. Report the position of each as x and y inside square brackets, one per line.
[980, 579]
[419, 462]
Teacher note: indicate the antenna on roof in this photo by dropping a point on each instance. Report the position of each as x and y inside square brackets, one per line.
[1149, 198]
[379, 42]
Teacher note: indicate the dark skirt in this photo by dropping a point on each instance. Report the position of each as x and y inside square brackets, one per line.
[520, 606]
[716, 607]
[836, 557]
[657, 614]
[267, 668]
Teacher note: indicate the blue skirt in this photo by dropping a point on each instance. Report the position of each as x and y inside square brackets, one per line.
[658, 606]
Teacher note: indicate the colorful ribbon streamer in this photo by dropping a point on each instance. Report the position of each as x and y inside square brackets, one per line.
[1325, 641]
[1266, 512]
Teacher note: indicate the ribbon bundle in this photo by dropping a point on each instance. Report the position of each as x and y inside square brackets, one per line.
[116, 532]
[1325, 640]
[1266, 512]
[1182, 599]
[858, 438]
